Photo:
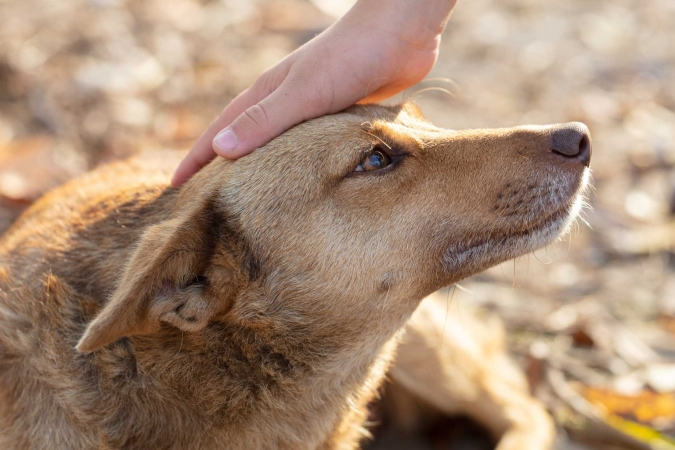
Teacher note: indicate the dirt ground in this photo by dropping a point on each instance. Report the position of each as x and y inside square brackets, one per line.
[591, 319]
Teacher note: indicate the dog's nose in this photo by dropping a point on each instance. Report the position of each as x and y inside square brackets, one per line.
[572, 141]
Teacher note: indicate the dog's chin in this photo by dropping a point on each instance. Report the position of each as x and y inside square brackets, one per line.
[473, 257]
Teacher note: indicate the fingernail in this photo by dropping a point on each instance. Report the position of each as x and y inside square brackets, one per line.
[225, 141]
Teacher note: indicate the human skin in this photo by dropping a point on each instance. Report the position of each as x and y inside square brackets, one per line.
[376, 50]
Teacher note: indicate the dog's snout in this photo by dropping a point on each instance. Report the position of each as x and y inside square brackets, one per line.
[572, 141]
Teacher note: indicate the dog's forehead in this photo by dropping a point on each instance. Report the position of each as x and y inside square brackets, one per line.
[326, 144]
[401, 121]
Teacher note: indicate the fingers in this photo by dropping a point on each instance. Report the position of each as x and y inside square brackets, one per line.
[202, 152]
[265, 120]
[198, 157]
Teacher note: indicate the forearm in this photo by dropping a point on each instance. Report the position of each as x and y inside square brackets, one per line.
[419, 22]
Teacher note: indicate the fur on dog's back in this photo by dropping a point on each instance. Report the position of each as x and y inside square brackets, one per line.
[68, 223]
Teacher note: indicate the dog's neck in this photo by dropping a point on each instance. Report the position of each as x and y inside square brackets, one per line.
[260, 364]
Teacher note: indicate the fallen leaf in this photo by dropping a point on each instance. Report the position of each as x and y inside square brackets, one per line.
[644, 407]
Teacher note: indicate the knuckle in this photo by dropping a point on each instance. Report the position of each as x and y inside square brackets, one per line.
[266, 83]
[257, 116]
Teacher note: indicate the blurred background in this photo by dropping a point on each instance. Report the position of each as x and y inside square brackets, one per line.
[590, 319]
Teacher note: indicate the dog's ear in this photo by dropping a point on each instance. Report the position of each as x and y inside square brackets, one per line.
[181, 273]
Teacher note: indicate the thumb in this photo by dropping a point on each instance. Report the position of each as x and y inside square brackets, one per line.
[264, 121]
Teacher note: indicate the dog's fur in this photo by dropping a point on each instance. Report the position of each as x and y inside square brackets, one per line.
[452, 361]
[258, 306]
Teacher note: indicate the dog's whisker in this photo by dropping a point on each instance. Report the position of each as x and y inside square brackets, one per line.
[433, 88]
[463, 289]
[537, 257]
[370, 84]
[448, 300]
[447, 80]
[527, 269]
[378, 138]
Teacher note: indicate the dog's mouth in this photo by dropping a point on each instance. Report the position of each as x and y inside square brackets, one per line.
[522, 237]
[504, 244]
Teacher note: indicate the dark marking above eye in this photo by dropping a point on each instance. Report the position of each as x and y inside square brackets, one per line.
[387, 282]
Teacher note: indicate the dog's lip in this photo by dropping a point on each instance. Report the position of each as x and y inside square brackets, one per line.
[498, 238]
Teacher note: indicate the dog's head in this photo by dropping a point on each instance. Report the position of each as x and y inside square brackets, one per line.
[352, 218]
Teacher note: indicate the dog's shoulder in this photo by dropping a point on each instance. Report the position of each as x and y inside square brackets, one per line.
[109, 186]
[90, 219]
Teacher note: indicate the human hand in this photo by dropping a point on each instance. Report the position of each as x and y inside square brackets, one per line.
[378, 49]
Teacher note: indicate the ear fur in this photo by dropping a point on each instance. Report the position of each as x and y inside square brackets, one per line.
[158, 284]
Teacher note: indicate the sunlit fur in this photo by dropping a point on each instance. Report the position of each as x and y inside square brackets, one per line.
[258, 306]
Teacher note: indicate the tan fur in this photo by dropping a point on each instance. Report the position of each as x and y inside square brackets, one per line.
[259, 305]
[453, 359]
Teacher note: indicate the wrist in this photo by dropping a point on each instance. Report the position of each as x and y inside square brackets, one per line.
[417, 23]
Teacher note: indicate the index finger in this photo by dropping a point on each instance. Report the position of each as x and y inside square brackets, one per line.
[202, 152]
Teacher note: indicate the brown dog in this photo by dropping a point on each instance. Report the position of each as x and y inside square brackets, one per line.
[451, 361]
[259, 305]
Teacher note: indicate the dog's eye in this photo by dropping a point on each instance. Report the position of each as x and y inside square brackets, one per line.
[376, 160]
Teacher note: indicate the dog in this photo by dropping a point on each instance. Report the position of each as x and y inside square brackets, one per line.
[452, 361]
[260, 305]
